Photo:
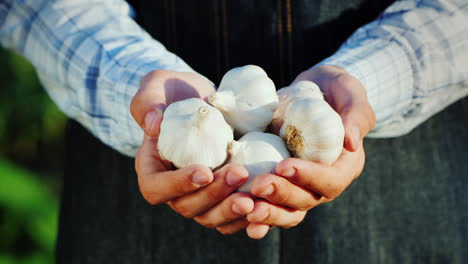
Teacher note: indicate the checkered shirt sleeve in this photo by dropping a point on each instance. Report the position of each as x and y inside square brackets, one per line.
[412, 60]
[90, 56]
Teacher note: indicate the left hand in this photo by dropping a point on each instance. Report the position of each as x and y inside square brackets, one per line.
[301, 185]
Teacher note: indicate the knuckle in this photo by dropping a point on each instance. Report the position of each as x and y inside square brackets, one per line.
[134, 104]
[204, 222]
[225, 231]
[151, 198]
[187, 214]
[292, 224]
[332, 192]
[156, 74]
[182, 210]
[136, 109]
[306, 206]
[340, 80]
[297, 220]
[311, 201]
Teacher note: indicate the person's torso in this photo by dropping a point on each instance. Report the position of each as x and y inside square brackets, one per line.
[284, 37]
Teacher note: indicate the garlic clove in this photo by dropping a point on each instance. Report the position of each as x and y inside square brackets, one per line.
[294, 91]
[312, 130]
[247, 98]
[259, 152]
[193, 132]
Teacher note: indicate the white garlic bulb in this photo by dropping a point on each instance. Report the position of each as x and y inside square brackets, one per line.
[312, 130]
[193, 132]
[247, 98]
[259, 152]
[292, 92]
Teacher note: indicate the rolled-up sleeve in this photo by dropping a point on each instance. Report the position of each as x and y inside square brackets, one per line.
[90, 56]
[412, 60]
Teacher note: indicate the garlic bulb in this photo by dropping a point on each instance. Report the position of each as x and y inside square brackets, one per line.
[312, 130]
[294, 91]
[259, 153]
[247, 98]
[193, 132]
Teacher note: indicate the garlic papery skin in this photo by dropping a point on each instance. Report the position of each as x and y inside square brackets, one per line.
[259, 152]
[287, 94]
[312, 130]
[193, 132]
[247, 98]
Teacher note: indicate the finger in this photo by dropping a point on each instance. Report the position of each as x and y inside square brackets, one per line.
[358, 120]
[279, 190]
[257, 231]
[147, 160]
[148, 114]
[237, 205]
[149, 102]
[163, 186]
[226, 180]
[328, 181]
[233, 227]
[275, 215]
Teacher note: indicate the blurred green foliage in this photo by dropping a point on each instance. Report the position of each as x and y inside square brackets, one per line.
[31, 164]
[30, 215]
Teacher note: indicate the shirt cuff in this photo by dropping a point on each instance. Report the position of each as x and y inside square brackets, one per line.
[383, 67]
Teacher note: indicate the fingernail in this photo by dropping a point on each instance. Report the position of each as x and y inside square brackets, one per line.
[200, 178]
[236, 209]
[234, 179]
[289, 173]
[150, 121]
[268, 190]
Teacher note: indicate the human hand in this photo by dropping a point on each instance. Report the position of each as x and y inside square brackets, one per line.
[301, 185]
[160, 88]
[194, 192]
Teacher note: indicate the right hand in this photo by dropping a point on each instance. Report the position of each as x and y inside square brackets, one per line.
[194, 192]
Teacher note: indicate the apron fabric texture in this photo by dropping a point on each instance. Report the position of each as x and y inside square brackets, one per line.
[410, 205]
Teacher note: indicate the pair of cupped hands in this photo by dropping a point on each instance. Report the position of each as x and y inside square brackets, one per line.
[280, 199]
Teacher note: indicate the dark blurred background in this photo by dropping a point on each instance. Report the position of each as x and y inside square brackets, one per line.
[31, 164]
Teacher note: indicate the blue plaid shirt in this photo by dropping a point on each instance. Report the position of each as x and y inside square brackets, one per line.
[90, 56]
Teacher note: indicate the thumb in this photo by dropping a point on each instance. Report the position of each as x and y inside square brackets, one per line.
[358, 120]
[147, 111]
[152, 121]
[148, 104]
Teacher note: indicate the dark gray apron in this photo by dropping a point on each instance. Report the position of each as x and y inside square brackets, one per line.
[409, 206]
